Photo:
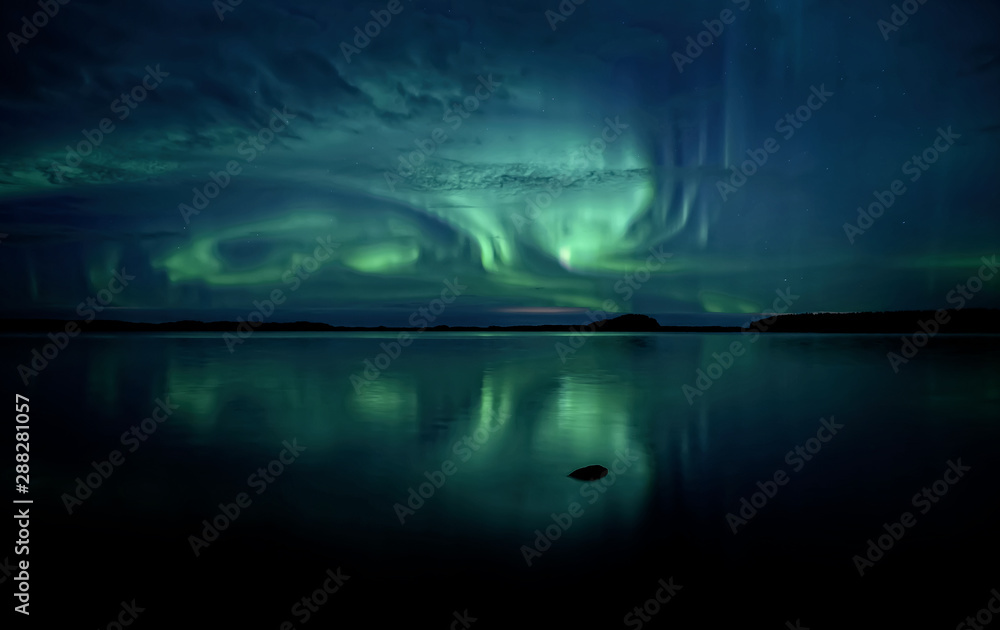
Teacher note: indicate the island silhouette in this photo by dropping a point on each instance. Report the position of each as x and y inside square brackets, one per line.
[944, 321]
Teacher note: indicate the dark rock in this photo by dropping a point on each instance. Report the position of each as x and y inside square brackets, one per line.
[589, 473]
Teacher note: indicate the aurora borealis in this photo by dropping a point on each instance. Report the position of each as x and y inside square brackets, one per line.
[205, 147]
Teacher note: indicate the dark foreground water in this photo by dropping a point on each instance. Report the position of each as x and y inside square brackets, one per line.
[498, 421]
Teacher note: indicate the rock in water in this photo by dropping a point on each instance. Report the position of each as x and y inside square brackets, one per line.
[589, 473]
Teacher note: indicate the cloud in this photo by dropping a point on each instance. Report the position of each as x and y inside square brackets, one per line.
[354, 119]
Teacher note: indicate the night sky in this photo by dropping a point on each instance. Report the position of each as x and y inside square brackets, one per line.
[538, 158]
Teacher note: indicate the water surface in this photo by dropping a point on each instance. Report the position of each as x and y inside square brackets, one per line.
[528, 418]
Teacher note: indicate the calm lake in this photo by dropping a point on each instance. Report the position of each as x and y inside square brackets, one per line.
[436, 490]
